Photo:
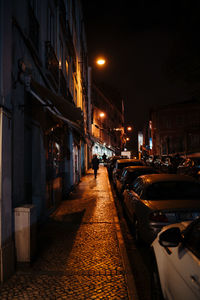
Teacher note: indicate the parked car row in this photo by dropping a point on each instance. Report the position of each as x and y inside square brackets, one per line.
[163, 209]
[120, 164]
[175, 164]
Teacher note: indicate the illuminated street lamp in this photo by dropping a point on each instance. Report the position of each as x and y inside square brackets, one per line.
[102, 114]
[127, 139]
[100, 61]
[129, 128]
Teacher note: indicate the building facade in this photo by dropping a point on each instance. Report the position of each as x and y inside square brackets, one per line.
[175, 128]
[43, 109]
[107, 124]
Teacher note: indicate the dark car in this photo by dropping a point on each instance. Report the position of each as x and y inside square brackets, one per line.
[150, 160]
[156, 200]
[129, 174]
[111, 164]
[168, 164]
[190, 166]
[122, 163]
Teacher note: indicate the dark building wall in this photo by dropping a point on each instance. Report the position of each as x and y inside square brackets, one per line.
[176, 128]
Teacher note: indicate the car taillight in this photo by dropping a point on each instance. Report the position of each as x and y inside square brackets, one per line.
[158, 217]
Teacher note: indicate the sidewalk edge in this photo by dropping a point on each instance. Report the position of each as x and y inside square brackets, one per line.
[131, 286]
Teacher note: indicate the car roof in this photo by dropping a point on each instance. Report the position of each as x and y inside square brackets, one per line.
[153, 178]
[124, 160]
[135, 168]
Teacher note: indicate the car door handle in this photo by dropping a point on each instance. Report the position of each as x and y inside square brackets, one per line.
[195, 280]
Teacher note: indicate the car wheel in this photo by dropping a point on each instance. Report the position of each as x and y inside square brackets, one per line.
[156, 291]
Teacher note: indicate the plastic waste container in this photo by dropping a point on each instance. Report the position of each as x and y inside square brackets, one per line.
[25, 232]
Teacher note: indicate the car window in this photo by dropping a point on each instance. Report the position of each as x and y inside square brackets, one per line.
[124, 173]
[173, 190]
[192, 239]
[123, 165]
[133, 175]
[138, 186]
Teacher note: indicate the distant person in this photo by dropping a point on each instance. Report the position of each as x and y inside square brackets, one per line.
[95, 165]
[104, 157]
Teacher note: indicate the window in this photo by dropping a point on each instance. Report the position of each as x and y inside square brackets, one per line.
[33, 24]
[61, 64]
[67, 67]
[33, 4]
[138, 187]
[171, 190]
[180, 120]
[51, 27]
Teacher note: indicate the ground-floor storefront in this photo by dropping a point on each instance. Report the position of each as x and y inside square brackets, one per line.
[100, 149]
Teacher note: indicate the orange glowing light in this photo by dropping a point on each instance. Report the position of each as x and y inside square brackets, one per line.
[129, 128]
[100, 61]
[102, 114]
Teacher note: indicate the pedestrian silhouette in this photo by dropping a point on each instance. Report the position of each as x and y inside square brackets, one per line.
[104, 157]
[95, 165]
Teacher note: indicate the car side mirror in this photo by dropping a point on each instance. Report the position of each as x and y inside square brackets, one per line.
[170, 237]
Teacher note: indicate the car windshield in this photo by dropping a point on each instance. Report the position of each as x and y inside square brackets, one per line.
[133, 175]
[173, 190]
[133, 163]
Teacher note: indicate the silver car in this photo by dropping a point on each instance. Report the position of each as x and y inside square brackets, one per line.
[177, 256]
[157, 200]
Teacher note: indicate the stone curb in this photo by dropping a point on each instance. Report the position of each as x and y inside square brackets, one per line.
[131, 286]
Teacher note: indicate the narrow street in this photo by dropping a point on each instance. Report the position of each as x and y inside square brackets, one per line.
[81, 253]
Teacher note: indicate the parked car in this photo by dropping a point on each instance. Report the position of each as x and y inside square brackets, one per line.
[157, 200]
[168, 164]
[111, 164]
[177, 255]
[129, 174]
[157, 162]
[190, 166]
[122, 163]
[150, 160]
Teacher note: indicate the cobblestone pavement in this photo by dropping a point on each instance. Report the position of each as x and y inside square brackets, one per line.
[79, 254]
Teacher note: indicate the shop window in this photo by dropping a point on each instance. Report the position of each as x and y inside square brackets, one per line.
[54, 157]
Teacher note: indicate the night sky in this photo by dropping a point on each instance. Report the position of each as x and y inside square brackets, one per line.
[144, 41]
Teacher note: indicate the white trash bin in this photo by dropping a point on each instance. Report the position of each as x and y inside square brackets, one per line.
[25, 232]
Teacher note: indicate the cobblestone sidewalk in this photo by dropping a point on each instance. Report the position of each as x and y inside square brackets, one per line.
[79, 253]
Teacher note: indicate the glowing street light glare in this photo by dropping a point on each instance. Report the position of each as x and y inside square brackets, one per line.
[100, 61]
[129, 128]
[128, 139]
[102, 114]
